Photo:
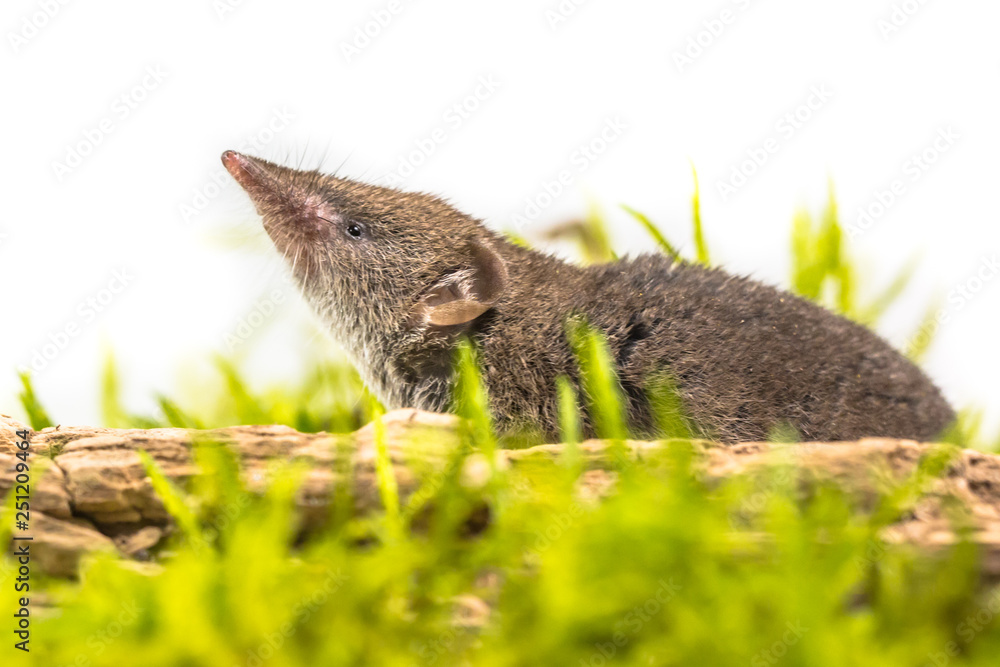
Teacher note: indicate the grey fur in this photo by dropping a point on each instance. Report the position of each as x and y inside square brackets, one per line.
[746, 357]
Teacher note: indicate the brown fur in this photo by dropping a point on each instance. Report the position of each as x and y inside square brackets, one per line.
[745, 357]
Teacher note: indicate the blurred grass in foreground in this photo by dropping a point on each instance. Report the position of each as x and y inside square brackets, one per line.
[666, 571]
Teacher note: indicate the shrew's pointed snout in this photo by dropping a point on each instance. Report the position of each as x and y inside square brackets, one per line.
[281, 199]
[264, 182]
[231, 160]
[246, 170]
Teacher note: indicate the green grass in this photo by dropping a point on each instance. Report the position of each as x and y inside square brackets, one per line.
[762, 569]
[701, 247]
[669, 570]
[329, 398]
[38, 418]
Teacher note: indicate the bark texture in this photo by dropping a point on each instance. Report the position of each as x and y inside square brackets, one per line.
[90, 491]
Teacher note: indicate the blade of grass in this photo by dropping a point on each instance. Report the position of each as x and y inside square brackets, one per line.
[597, 242]
[569, 425]
[807, 278]
[654, 231]
[386, 476]
[517, 239]
[668, 409]
[112, 412]
[177, 417]
[836, 266]
[173, 501]
[218, 483]
[37, 415]
[589, 234]
[921, 340]
[248, 410]
[783, 433]
[874, 311]
[600, 385]
[472, 401]
[701, 247]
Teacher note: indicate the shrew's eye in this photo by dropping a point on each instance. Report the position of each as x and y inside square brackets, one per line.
[354, 230]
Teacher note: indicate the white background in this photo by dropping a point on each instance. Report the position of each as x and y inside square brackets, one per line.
[227, 70]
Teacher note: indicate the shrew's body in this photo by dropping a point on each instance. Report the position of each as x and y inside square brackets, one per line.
[399, 277]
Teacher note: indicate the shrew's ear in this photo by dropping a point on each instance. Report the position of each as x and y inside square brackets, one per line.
[464, 294]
